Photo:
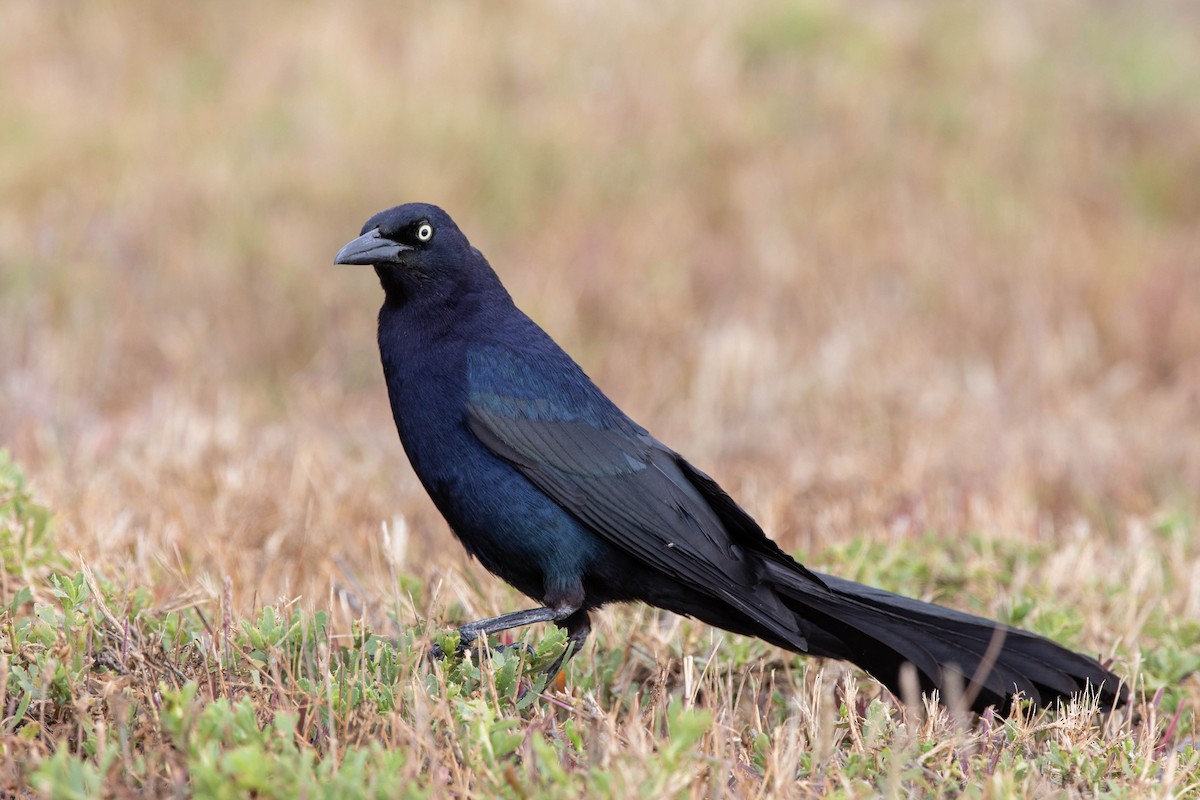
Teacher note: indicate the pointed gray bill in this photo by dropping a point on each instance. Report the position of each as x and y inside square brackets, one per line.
[371, 248]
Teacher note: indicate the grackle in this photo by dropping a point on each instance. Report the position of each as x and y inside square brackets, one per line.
[554, 489]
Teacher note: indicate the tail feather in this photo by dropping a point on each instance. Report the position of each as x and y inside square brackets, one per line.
[993, 663]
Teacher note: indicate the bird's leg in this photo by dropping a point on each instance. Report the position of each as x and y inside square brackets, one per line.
[504, 622]
[486, 627]
[578, 625]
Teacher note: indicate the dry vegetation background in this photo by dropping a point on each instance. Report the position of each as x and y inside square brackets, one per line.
[885, 270]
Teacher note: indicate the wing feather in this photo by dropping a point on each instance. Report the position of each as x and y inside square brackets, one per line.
[628, 488]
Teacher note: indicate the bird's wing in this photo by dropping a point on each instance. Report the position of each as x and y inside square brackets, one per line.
[631, 490]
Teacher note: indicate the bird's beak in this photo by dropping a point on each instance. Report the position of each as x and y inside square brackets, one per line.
[371, 248]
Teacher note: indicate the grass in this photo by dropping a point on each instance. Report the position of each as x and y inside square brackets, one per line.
[108, 694]
[915, 283]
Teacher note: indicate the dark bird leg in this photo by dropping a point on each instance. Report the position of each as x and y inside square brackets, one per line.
[504, 622]
[575, 621]
[578, 626]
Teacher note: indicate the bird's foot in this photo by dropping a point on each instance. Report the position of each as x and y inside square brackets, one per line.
[468, 640]
[553, 670]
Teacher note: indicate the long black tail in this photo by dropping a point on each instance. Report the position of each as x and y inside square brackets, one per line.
[990, 662]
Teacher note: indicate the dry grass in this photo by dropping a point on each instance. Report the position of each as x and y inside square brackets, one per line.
[923, 277]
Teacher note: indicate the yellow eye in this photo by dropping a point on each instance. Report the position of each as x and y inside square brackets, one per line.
[424, 232]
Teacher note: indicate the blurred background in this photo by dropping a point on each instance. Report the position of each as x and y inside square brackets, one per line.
[881, 268]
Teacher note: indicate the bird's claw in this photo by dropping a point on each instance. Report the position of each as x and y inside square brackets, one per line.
[470, 641]
[437, 652]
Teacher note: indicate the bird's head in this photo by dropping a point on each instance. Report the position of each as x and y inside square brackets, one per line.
[410, 245]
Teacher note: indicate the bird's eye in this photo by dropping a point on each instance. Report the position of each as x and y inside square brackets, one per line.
[424, 232]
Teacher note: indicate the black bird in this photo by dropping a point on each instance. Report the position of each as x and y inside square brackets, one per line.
[554, 489]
